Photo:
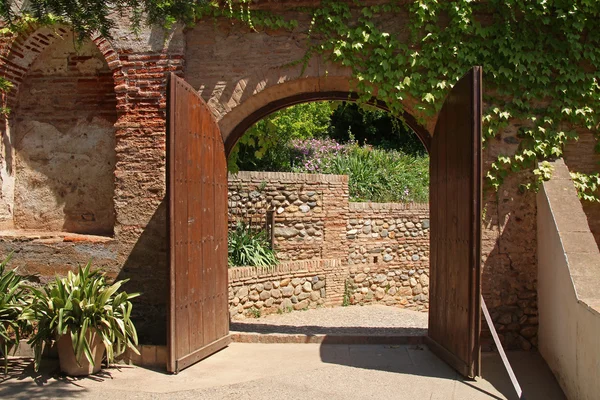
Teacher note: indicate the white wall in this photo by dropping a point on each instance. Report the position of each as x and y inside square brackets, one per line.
[568, 288]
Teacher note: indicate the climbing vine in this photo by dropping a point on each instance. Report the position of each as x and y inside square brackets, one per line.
[540, 60]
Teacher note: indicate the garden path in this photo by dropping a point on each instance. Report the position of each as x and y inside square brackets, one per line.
[369, 320]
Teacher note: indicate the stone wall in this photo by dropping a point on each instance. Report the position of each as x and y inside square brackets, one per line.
[309, 210]
[388, 254]
[295, 285]
[240, 71]
[385, 245]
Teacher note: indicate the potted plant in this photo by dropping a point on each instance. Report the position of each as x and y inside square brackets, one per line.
[86, 317]
[12, 304]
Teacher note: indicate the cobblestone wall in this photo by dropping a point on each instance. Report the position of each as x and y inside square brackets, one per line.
[303, 206]
[295, 285]
[385, 246]
[388, 254]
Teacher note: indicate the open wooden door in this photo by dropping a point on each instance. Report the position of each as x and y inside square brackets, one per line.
[455, 246]
[197, 192]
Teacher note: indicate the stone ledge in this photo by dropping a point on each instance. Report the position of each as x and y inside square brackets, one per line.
[286, 176]
[243, 337]
[388, 206]
[304, 266]
[580, 249]
[52, 237]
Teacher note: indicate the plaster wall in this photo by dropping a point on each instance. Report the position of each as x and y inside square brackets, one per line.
[568, 288]
[64, 143]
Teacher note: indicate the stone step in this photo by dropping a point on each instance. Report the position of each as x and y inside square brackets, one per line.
[253, 337]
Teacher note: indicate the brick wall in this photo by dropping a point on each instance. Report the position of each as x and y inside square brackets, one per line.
[64, 142]
[238, 71]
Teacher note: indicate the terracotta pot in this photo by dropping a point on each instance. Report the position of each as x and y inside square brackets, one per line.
[66, 355]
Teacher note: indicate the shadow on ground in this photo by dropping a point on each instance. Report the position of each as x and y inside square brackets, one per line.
[535, 378]
[48, 379]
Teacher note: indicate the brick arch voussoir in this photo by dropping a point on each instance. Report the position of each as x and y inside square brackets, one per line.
[19, 51]
[240, 116]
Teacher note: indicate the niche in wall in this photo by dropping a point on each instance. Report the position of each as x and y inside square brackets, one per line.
[64, 142]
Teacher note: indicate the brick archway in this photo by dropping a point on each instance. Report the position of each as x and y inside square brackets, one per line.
[82, 83]
[20, 52]
[230, 138]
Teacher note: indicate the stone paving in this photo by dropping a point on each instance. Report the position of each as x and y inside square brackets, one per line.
[369, 320]
[292, 371]
[313, 371]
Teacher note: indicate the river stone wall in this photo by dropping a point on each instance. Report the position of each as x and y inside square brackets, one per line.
[388, 254]
[384, 247]
[297, 285]
[305, 207]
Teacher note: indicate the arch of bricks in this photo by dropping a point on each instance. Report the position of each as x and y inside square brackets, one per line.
[18, 53]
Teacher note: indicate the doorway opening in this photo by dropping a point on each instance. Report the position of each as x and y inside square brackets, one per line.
[198, 191]
[339, 194]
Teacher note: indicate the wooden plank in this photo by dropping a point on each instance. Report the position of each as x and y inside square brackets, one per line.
[203, 352]
[455, 204]
[193, 225]
[509, 370]
[197, 180]
[221, 231]
[171, 331]
[477, 206]
[448, 357]
[180, 223]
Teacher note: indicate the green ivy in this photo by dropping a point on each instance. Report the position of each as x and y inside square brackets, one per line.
[540, 59]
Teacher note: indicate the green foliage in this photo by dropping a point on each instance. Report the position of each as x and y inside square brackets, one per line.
[12, 303]
[587, 186]
[264, 145]
[381, 175]
[80, 302]
[540, 61]
[540, 58]
[249, 247]
[254, 312]
[376, 127]
[348, 288]
[268, 145]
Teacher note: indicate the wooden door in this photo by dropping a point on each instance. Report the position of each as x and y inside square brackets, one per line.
[455, 247]
[197, 192]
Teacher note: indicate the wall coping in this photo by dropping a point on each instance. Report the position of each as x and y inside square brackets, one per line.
[579, 246]
[286, 176]
[388, 206]
[243, 273]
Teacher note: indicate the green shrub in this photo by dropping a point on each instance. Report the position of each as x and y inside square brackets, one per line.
[12, 304]
[248, 247]
[78, 302]
[382, 175]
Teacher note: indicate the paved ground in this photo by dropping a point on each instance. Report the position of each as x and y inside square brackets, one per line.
[368, 320]
[291, 371]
